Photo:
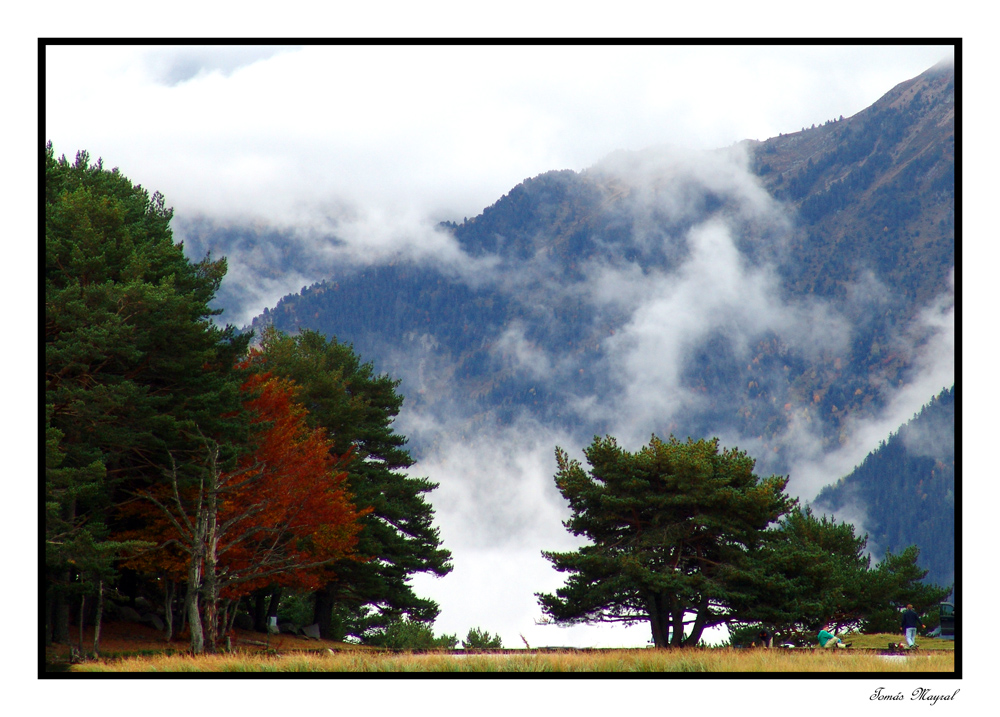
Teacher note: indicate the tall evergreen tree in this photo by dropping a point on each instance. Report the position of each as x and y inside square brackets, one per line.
[398, 538]
[684, 535]
[135, 368]
[667, 525]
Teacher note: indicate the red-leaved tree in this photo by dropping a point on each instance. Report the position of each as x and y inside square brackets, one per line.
[281, 516]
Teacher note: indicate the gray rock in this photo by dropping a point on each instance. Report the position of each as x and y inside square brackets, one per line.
[110, 610]
[311, 631]
[154, 620]
[288, 628]
[128, 614]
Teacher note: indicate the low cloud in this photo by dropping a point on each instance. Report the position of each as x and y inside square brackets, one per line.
[366, 148]
[497, 499]
[929, 346]
[521, 355]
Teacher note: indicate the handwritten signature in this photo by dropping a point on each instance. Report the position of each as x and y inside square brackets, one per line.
[921, 693]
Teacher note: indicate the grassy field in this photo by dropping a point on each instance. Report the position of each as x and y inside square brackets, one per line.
[719, 660]
[137, 648]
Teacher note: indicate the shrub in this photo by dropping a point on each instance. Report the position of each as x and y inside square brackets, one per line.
[481, 639]
[411, 635]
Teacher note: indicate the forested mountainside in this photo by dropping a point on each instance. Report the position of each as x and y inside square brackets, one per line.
[874, 191]
[838, 241]
[906, 490]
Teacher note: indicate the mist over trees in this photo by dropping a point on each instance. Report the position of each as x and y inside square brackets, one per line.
[827, 252]
[779, 293]
[905, 489]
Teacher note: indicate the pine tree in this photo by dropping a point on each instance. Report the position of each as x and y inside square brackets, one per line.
[135, 368]
[667, 526]
[357, 408]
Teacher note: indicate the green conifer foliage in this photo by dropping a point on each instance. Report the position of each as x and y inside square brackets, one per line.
[135, 368]
[667, 525]
[686, 536]
[357, 408]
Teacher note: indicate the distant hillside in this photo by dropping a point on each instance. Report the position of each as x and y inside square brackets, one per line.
[876, 190]
[905, 489]
[854, 241]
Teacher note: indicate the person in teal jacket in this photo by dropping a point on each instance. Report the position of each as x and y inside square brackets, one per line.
[828, 639]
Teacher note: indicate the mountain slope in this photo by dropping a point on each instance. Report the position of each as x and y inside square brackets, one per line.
[816, 269]
[876, 190]
[905, 490]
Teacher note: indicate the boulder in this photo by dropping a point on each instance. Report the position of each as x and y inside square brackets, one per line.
[154, 620]
[129, 614]
[311, 631]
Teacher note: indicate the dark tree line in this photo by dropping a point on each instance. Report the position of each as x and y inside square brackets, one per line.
[163, 452]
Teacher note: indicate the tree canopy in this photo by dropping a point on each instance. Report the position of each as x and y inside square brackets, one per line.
[356, 407]
[172, 454]
[135, 368]
[685, 536]
[666, 526]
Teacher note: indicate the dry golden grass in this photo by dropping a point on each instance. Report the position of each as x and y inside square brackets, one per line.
[624, 661]
[126, 638]
[127, 647]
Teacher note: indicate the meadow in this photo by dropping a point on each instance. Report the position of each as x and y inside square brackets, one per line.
[718, 660]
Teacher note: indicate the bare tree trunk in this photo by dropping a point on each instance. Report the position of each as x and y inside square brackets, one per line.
[83, 603]
[233, 614]
[258, 610]
[677, 620]
[193, 611]
[699, 623]
[229, 611]
[224, 623]
[211, 610]
[323, 611]
[272, 607]
[211, 560]
[168, 611]
[97, 617]
[656, 621]
[194, 619]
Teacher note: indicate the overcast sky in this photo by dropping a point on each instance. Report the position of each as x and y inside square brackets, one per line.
[381, 134]
[379, 140]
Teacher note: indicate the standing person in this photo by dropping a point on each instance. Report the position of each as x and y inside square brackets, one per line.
[910, 622]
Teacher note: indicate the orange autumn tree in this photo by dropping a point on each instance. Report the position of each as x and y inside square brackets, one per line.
[299, 512]
[280, 516]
